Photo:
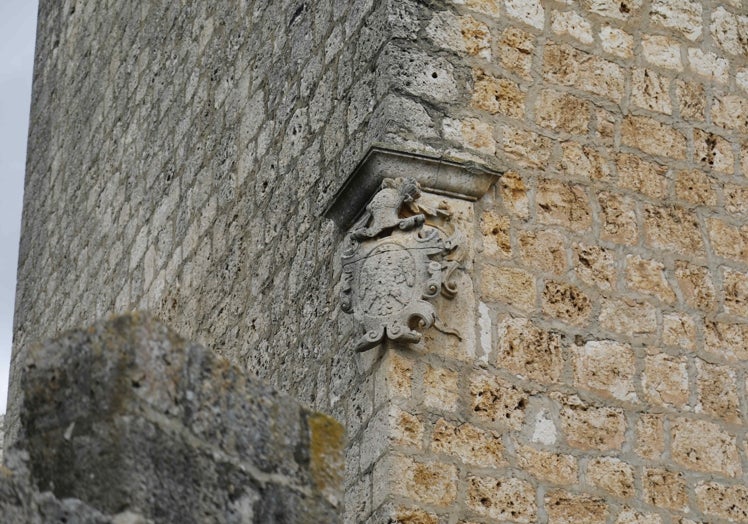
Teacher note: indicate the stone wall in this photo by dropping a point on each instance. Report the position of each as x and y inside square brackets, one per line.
[181, 158]
[607, 379]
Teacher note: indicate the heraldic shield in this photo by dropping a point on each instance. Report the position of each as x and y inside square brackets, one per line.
[394, 266]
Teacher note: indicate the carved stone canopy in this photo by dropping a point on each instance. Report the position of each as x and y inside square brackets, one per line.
[463, 180]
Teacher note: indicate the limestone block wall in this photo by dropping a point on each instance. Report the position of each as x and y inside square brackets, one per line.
[607, 380]
[181, 157]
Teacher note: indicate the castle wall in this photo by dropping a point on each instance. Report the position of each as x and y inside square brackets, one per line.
[181, 157]
[606, 381]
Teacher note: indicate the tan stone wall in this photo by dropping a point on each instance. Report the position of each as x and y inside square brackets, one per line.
[607, 378]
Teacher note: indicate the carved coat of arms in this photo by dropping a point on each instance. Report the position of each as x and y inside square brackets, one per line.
[399, 258]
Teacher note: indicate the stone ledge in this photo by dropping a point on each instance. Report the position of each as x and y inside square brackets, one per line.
[465, 180]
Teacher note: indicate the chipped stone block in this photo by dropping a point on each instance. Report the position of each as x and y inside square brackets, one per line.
[502, 498]
[529, 351]
[568, 508]
[563, 204]
[562, 112]
[566, 302]
[653, 137]
[648, 277]
[611, 475]
[606, 368]
[468, 443]
[665, 489]
[508, 285]
[681, 15]
[704, 446]
[495, 401]
[665, 380]
[564, 65]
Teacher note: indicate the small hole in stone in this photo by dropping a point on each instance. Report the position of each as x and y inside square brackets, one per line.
[434, 75]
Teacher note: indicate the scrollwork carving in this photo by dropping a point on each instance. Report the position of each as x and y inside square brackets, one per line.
[400, 255]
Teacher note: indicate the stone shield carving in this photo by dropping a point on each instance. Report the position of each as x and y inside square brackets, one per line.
[395, 264]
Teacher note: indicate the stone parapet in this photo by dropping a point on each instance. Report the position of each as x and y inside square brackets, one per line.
[125, 415]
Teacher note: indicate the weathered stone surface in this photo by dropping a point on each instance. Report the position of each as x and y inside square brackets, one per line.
[570, 67]
[126, 414]
[568, 508]
[704, 446]
[612, 475]
[665, 488]
[605, 367]
[529, 351]
[502, 499]
[592, 427]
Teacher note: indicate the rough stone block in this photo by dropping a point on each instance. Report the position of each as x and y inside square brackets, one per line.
[665, 489]
[729, 31]
[728, 240]
[502, 499]
[126, 414]
[662, 51]
[729, 341]
[616, 41]
[428, 482]
[605, 367]
[681, 15]
[665, 380]
[564, 65]
[495, 230]
[529, 351]
[583, 162]
[566, 302]
[552, 467]
[628, 317]
[612, 475]
[653, 137]
[728, 502]
[695, 187]
[678, 330]
[673, 228]
[497, 95]
[468, 443]
[618, 219]
[696, 285]
[595, 265]
[704, 446]
[572, 24]
[494, 401]
[563, 204]
[640, 175]
[717, 389]
[650, 90]
[589, 427]
[508, 285]
[648, 277]
[731, 112]
[691, 100]
[513, 193]
[712, 152]
[650, 436]
[613, 9]
[568, 508]
[517, 50]
[562, 112]
[525, 147]
[735, 288]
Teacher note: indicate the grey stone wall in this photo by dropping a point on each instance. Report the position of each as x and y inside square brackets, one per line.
[127, 416]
